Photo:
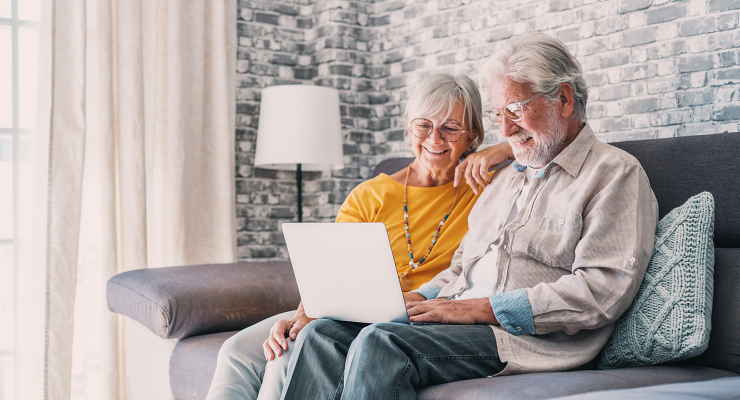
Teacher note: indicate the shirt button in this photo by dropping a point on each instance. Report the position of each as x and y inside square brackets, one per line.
[499, 227]
[516, 190]
[632, 259]
[562, 221]
[504, 247]
[518, 328]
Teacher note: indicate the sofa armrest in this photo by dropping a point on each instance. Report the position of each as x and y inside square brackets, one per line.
[179, 302]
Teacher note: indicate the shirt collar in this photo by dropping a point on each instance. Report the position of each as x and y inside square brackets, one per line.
[519, 167]
[572, 157]
[540, 173]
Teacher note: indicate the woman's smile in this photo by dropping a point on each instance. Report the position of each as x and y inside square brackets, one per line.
[435, 151]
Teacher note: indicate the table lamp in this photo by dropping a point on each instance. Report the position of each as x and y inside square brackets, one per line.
[299, 129]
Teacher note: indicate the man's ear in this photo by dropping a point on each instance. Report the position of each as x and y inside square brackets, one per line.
[566, 100]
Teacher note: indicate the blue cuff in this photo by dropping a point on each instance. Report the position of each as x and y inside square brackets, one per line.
[513, 312]
[428, 290]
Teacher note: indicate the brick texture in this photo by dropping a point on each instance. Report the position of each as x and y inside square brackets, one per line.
[655, 68]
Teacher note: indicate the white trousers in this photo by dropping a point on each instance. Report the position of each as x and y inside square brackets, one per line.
[242, 373]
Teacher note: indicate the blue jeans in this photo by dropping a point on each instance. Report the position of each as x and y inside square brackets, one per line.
[347, 360]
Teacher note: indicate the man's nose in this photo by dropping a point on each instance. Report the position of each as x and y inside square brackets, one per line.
[508, 127]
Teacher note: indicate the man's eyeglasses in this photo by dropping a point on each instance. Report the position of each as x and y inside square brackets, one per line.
[449, 131]
[513, 111]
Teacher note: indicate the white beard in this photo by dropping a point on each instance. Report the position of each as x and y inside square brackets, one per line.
[547, 144]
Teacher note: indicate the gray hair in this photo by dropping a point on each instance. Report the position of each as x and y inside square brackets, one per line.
[544, 63]
[438, 94]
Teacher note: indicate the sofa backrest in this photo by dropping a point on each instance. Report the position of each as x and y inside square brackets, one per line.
[679, 168]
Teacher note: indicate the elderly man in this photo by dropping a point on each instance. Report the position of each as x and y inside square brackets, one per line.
[556, 250]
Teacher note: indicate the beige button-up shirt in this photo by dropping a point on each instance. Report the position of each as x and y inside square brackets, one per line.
[578, 249]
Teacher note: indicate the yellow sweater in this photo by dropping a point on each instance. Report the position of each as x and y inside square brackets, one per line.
[381, 200]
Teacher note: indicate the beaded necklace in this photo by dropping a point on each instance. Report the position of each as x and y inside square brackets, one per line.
[405, 282]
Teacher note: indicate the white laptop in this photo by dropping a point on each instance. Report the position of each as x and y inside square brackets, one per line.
[346, 271]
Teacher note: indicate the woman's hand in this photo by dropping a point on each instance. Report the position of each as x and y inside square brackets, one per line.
[475, 167]
[276, 343]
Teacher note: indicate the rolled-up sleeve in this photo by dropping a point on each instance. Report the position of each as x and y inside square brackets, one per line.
[513, 312]
[427, 290]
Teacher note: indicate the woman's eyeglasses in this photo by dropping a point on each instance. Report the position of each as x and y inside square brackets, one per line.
[422, 128]
[513, 111]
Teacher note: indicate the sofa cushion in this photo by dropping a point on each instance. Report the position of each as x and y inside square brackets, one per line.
[193, 364]
[178, 302]
[557, 384]
[716, 389]
[670, 318]
[724, 342]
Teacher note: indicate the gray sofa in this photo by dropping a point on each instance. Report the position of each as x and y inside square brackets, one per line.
[201, 306]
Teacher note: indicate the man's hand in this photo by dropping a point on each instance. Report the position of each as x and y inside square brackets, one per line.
[463, 312]
[407, 297]
[276, 343]
[475, 167]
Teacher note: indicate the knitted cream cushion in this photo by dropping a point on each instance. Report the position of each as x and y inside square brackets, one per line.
[670, 319]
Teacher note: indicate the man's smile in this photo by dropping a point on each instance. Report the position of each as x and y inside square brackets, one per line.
[521, 142]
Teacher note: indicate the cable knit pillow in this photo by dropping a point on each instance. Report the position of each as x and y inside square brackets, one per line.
[670, 319]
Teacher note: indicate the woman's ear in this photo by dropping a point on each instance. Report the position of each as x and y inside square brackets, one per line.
[472, 137]
[566, 100]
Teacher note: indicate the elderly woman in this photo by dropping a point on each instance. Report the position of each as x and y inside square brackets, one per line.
[423, 206]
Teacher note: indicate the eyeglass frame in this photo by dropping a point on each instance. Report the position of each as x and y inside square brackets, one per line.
[432, 130]
[519, 104]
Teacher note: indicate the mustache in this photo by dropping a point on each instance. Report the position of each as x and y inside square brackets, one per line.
[519, 136]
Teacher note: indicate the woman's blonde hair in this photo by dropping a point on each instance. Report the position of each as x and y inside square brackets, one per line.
[438, 94]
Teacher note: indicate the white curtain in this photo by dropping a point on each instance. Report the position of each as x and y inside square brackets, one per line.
[134, 169]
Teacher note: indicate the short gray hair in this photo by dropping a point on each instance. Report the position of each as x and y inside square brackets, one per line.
[438, 94]
[541, 61]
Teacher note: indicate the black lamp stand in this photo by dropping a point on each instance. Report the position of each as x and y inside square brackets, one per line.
[299, 190]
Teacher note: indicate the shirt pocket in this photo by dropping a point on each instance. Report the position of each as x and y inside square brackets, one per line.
[550, 240]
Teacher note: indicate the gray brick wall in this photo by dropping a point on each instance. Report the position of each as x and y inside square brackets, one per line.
[655, 68]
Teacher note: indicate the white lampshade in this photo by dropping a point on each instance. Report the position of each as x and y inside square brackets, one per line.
[299, 124]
